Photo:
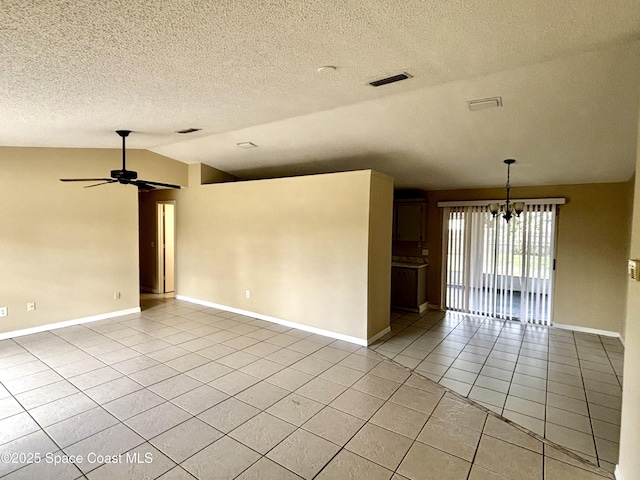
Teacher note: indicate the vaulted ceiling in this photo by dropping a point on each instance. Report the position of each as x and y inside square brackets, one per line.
[568, 73]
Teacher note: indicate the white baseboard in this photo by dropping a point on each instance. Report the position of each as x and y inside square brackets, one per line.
[618, 473]
[433, 306]
[300, 326]
[68, 323]
[378, 335]
[575, 328]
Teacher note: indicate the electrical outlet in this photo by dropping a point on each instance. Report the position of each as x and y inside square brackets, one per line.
[248, 293]
[116, 296]
[4, 311]
[31, 306]
[425, 252]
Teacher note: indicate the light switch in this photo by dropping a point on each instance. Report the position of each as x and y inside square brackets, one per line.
[633, 269]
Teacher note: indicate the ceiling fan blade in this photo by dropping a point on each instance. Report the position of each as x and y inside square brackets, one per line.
[156, 184]
[144, 187]
[101, 183]
[85, 179]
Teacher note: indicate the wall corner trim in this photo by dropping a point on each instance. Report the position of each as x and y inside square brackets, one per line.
[279, 321]
[67, 323]
[378, 335]
[575, 328]
[618, 473]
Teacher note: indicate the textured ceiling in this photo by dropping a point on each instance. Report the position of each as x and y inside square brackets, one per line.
[568, 72]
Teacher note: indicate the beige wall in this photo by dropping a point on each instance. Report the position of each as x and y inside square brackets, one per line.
[592, 249]
[299, 244]
[380, 226]
[64, 247]
[629, 460]
[201, 174]
[210, 175]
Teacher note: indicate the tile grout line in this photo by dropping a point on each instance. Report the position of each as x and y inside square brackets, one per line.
[546, 442]
[593, 435]
[548, 360]
[119, 421]
[350, 353]
[451, 331]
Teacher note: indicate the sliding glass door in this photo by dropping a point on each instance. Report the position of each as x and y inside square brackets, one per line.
[499, 269]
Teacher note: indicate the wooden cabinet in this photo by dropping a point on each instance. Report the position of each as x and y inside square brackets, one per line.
[410, 223]
[409, 288]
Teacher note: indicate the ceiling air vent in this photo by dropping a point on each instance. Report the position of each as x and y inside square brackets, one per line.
[189, 130]
[385, 81]
[481, 104]
[247, 145]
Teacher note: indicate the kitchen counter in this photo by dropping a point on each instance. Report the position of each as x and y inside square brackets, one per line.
[409, 265]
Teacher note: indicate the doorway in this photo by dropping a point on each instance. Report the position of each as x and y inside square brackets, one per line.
[166, 246]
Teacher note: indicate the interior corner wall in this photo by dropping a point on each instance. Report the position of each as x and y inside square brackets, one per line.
[299, 245]
[592, 249]
[202, 174]
[629, 460]
[631, 184]
[213, 175]
[380, 233]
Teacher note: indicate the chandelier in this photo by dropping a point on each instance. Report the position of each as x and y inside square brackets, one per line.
[509, 207]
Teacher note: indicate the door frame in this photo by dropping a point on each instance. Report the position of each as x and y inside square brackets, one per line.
[160, 257]
[447, 206]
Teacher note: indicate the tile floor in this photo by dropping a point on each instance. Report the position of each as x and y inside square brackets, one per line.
[182, 391]
[563, 385]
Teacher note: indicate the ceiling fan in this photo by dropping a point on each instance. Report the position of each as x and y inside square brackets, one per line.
[124, 176]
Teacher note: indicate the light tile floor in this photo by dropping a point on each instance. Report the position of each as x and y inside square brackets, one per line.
[182, 391]
[562, 385]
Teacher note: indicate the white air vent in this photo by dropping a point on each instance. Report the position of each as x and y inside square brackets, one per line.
[483, 103]
[388, 80]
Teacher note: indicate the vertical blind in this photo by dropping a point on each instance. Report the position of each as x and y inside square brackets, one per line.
[500, 269]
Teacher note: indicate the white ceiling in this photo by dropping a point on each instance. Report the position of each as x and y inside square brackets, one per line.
[568, 72]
